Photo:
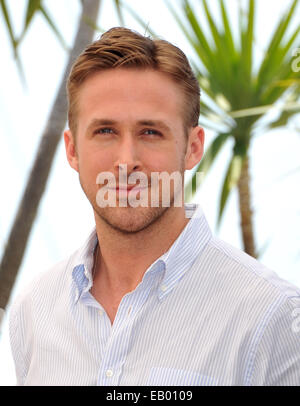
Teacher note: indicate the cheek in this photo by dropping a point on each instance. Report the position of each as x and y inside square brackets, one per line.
[154, 162]
[93, 158]
[165, 162]
[90, 165]
[172, 159]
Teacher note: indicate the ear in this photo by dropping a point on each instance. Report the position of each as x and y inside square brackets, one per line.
[195, 147]
[71, 150]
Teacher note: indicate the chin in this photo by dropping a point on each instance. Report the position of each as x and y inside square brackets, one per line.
[130, 220]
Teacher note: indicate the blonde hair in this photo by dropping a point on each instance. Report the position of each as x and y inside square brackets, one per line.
[122, 47]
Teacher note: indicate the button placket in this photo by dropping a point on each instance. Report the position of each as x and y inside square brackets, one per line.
[119, 340]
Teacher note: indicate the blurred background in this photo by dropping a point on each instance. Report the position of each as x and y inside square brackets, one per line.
[246, 55]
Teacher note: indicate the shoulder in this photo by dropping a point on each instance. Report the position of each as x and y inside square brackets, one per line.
[45, 287]
[249, 272]
[53, 283]
[31, 310]
[265, 306]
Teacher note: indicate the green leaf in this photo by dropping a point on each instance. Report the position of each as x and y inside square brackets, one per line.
[118, 7]
[54, 27]
[202, 47]
[214, 58]
[13, 39]
[207, 161]
[220, 50]
[227, 31]
[288, 110]
[232, 177]
[247, 41]
[274, 55]
[282, 119]
[275, 90]
[32, 7]
[291, 41]
[139, 20]
[182, 25]
[212, 152]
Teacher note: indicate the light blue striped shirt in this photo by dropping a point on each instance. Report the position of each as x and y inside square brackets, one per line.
[205, 313]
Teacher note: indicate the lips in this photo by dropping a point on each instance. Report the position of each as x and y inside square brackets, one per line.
[125, 187]
[129, 187]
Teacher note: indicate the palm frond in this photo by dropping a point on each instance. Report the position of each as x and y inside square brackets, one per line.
[13, 39]
[232, 177]
[144, 24]
[119, 11]
[220, 49]
[275, 53]
[247, 41]
[206, 162]
[228, 36]
[54, 27]
[34, 7]
[8, 23]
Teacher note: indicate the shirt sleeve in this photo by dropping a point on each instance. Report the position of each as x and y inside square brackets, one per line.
[16, 342]
[276, 360]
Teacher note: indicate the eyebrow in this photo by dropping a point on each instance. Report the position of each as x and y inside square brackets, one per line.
[155, 123]
[100, 121]
[149, 123]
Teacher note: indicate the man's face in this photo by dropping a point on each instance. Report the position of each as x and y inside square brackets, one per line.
[130, 118]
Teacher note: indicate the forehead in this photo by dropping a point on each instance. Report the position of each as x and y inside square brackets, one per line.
[130, 93]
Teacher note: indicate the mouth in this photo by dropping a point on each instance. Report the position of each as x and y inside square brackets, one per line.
[124, 191]
[128, 188]
[132, 188]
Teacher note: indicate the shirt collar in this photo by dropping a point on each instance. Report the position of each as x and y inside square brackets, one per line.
[176, 261]
[186, 248]
[82, 271]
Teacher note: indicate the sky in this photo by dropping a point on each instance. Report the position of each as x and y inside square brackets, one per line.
[65, 218]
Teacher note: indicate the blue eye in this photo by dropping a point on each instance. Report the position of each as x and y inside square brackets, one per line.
[152, 132]
[104, 131]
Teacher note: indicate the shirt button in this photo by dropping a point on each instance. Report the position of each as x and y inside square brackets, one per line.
[109, 373]
[101, 312]
[163, 288]
[129, 310]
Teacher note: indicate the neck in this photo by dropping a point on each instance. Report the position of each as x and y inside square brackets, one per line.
[125, 257]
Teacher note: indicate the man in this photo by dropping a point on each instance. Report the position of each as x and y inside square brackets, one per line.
[152, 298]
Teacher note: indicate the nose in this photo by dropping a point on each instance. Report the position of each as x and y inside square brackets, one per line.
[127, 155]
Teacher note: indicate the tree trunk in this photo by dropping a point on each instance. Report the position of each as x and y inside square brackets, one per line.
[36, 184]
[245, 209]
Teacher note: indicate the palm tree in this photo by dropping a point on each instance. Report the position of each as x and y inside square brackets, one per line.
[238, 95]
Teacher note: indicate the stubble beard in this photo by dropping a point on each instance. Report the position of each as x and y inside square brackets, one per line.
[128, 220]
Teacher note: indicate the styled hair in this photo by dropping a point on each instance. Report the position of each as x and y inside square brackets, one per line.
[124, 48]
